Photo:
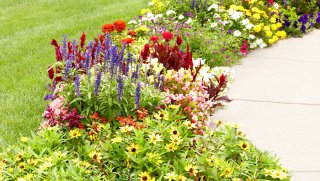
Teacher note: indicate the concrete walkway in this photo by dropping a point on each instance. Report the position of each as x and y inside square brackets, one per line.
[277, 103]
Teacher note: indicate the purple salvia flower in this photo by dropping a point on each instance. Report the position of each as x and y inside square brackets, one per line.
[87, 62]
[318, 18]
[193, 4]
[120, 87]
[129, 60]
[121, 57]
[159, 80]
[107, 41]
[155, 84]
[63, 48]
[50, 97]
[74, 45]
[77, 85]
[97, 84]
[97, 54]
[66, 69]
[135, 74]
[137, 97]
[285, 2]
[162, 83]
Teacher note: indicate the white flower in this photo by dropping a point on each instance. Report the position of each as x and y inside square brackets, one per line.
[225, 22]
[213, 6]
[245, 21]
[249, 26]
[150, 15]
[144, 19]
[235, 14]
[253, 45]
[252, 37]
[237, 33]
[197, 62]
[259, 41]
[181, 16]
[213, 25]
[189, 21]
[263, 45]
[159, 16]
[276, 5]
[168, 13]
[151, 3]
[132, 22]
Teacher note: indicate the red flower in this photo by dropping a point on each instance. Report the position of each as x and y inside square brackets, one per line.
[132, 33]
[167, 35]
[108, 28]
[142, 113]
[83, 40]
[50, 72]
[179, 40]
[95, 116]
[119, 25]
[127, 121]
[244, 48]
[271, 2]
[54, 43]
[145, 53]
[103, 120]
[154, 39]
[127, 40]
[80, 126]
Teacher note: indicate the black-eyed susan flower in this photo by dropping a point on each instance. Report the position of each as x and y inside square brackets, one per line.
[174, 131]
[22, 166]
[181, 178]
[133, 148]
[226, 173]
[244, 145]
[33, 162]
[95, 156]
[19, 157]
[75, 133]
[171, 147]
[192, 170]
[189, 125]
[144, 176]
[154, 138]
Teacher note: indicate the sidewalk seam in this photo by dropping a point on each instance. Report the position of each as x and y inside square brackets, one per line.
[277, 102]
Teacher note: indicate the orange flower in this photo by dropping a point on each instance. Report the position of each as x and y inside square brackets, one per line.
[127, 40]
[132, 33]
[108, 28]
[95, 116]
[142, 113]
[119, 25]
[103, 120]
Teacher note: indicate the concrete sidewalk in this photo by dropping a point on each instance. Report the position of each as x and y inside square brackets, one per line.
[277, 103]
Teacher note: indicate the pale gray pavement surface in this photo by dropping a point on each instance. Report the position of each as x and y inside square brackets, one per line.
[277, 103]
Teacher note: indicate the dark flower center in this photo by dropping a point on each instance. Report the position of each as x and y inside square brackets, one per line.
[144, 178]
[175, 132]
[133, 150]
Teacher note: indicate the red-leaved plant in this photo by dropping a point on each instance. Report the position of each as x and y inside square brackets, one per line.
[214, 91]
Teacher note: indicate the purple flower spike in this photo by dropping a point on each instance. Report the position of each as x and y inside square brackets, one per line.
[77, 85]
[137, 97]
[120, 87]
[97, 84]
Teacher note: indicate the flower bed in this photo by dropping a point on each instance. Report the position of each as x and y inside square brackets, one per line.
[135, 102]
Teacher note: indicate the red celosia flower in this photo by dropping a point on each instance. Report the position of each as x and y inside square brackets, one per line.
[119, 25]
[179, 40]
[54, 43]
[145, 53]
[127, 40]
[271, 2]
[108, 28]
[50, 72]
[95, 116]
[83, 40]
[167, 35]
[132, 33]
[154, 39]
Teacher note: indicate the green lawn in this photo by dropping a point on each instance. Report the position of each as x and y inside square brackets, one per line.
[26, 30]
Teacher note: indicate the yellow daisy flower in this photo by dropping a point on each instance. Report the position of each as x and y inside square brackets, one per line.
[154, 138]
[75, 133]
[171, 176]
[175, 139]
[144, 176]
[192, 170]
[181, 178]
[133, 148]
[171, 147]
[174, 131]
[117, 139]
[244, 145]
[95, 156]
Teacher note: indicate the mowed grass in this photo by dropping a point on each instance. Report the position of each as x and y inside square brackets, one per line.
[26, 30]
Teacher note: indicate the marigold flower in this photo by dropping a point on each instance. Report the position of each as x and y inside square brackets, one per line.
[108, 28]
[167, 35]
[119, 25]
[132, 33]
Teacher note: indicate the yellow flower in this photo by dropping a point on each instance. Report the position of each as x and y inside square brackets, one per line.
[278, 174]
[189, 125]
[117, 139]
[175, 139]
[95, 156]
[269, 33]
[75, 133]
[23, 139]
[171, 147]
[266, 28]
[255, 9]
[171, 176]
[244, 145]
[22, 166]
[192, 170]
[256, 16]
[45, 166]
[126, 129]
[281, 34]
[248, 13]
[85, 164]
[19, 157]
[144, 11]
[21, 179]
[181, 178]
[257, 28]
[154, 158]
[274, 27]
[29, 176]
[33, 162]
[273, 20]
[93, 137]
[174, 131]
[162, 115]
[154, 138]
[271, 41]
[275, 38]
[144, 176]
[133, 148]
[226, 173]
